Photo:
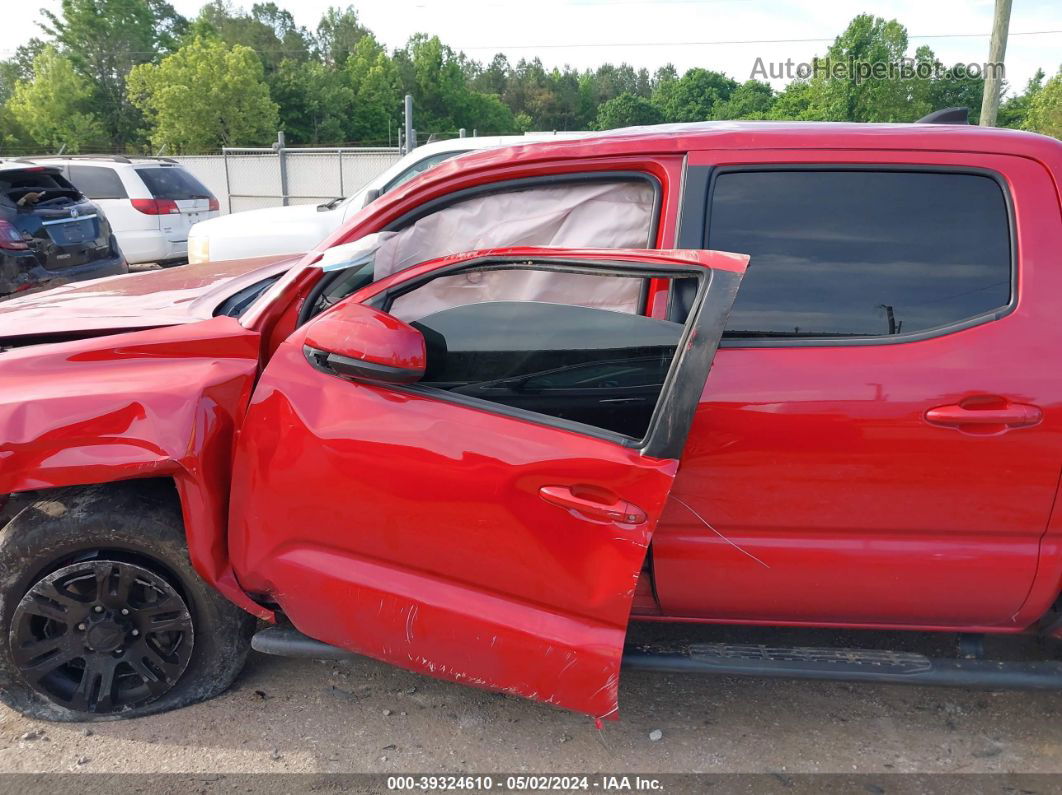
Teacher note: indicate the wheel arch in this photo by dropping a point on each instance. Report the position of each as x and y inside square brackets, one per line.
[203, 514]
[71, 546]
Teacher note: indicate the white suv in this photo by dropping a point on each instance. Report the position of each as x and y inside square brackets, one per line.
[298, 228]
[150, 202]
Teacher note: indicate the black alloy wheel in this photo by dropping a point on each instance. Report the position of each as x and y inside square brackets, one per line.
[102, 636]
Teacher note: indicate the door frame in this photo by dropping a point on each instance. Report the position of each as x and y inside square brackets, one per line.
[673, 415]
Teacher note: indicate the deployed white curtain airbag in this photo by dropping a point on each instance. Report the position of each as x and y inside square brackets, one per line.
[614, 214]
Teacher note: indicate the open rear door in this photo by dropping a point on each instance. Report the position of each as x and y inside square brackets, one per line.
[467, 489]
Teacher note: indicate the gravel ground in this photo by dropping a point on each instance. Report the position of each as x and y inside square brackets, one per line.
[305, 716]
[292, 715]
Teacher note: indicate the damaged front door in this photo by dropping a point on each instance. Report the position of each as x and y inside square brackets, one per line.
[459, 470]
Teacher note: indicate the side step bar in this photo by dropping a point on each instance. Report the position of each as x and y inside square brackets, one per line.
[800, 662]
[289, 642]
[846, 665]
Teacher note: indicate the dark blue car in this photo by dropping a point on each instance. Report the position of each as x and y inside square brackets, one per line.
[50, 233]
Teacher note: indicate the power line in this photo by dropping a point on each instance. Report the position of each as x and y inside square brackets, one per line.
[733, 41]
[577, 45]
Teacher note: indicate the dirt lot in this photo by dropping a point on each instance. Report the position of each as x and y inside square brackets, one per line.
[304, 716]
[288, 715]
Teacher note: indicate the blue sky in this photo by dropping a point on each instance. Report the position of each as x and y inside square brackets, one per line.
[650, 33]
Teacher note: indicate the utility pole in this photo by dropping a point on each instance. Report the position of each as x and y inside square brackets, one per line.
[279, 148]
[997, 51]
[410, 140]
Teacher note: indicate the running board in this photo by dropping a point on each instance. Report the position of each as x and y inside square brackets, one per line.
[845, 665]
[798, 662]
[289, 642]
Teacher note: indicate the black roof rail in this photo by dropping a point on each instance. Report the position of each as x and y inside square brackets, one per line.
[947, 116]
[112, 158]
[152, 157]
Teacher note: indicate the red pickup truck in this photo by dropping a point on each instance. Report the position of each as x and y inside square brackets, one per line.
[482, 466]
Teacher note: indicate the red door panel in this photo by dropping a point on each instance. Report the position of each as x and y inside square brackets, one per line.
[831, 489]
[448, 539]
[855, 510]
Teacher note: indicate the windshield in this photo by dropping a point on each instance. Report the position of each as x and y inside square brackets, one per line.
[357, 201]
[418, 168]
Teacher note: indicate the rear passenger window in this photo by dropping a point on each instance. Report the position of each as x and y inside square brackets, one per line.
[861, 253]
[97, 183]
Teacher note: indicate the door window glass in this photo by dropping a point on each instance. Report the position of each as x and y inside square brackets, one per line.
[560, 358]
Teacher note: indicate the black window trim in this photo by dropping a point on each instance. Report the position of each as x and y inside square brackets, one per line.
[503, 186]
[695, 223]
[673, 414]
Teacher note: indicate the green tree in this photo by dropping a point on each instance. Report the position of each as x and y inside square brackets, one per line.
[54, 107]
[694, 96]
[867, 43]
[523, 122]
[751, 100]
[438, 79]
[488, 114]
[433, 74]
[20, 67]
[1045, 108]
[611, 81]
[204, 96]
[494, 78]
[268, 30]
[945, 87]
[955, 89]
[526, 88]
[12, 137]
[563, 110]
[338, 33]
[793, 103]
[377, 93]
[1013, 110]
[539, 99]
[315, 102]
[627, 110]
[104, 40]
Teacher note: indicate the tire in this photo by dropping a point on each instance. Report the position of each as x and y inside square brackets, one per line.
[98, 579]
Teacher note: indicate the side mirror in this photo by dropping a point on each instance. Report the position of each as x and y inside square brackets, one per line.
[371, 195]
[361, 342]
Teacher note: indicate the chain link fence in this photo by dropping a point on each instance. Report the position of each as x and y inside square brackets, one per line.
[246, 178]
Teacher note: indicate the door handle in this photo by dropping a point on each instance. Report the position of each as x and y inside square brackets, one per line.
[985, 415]
[610, 509]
